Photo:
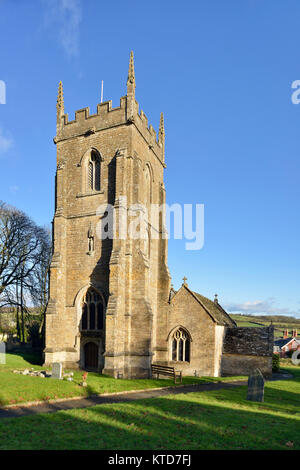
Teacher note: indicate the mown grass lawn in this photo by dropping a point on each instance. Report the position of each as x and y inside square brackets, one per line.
[221, 419]
[16, 388]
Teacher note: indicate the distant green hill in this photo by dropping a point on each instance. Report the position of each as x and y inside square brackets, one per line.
[280, 322]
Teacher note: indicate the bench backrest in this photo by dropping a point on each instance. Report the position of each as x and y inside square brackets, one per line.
[162, 369]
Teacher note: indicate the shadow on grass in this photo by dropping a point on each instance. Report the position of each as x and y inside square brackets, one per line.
[32, 357]
[220, 419]
[111, 385]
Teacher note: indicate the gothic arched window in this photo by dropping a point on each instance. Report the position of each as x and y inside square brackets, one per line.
[181, 346]
[94, 172]
[92, 311]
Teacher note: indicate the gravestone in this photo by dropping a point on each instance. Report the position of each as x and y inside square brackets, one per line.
[2, 352]
[256, 386]
[56, 370]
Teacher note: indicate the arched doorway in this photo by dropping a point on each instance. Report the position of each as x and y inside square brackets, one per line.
[91, 355]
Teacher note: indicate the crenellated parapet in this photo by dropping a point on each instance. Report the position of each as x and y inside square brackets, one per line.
[107, 117]
[149, 134]
[86, 123]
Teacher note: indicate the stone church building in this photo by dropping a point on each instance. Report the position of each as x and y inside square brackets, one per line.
[111, 306]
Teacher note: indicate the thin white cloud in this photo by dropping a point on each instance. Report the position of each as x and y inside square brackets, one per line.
[263, 307]
[6, 142]
[14, 189]
[65, 17]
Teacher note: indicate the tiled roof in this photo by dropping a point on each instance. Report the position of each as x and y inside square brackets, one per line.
[215, 310]
[283, 341]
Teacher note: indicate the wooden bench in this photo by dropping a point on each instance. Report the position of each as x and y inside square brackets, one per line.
[165, 370]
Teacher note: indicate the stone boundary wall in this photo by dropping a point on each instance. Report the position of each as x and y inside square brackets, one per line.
[247, 348]
[237, 364]
[248, 340]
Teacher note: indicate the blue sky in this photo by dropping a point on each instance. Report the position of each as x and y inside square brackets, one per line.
[222, 73]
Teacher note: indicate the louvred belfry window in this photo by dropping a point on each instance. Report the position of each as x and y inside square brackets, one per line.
[94, 172]
[90, 175]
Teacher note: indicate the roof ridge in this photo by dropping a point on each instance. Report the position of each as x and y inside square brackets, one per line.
[225, 318]
[213, 309]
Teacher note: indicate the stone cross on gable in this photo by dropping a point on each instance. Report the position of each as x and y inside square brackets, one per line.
[184, 281]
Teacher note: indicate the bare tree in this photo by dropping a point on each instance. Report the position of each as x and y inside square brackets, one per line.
[39, 278]
[21, 246]
[25, 254]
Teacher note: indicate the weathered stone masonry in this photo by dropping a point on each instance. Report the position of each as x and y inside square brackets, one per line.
[111, 307]
[245, 349]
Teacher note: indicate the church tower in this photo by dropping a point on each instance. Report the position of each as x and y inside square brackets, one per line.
[108, 294]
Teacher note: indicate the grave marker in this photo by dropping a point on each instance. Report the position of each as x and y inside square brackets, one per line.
[256, 386]
[56, 370]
